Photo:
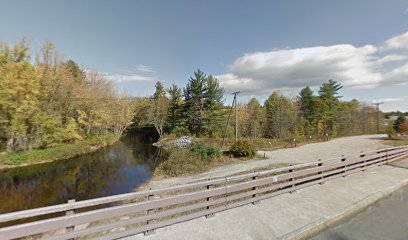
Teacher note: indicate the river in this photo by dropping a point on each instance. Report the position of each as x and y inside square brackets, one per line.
[116, 169]
[387, 219]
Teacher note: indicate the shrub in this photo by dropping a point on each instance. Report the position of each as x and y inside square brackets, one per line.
[242, 149]
[179, 162]
[391, 132]
[206, 152]
[199, 157]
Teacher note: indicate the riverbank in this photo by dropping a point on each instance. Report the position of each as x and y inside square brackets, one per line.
[347, 146]
[59, 152]
[191, 156]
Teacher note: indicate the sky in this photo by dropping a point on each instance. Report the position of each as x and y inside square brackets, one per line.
[255, 47]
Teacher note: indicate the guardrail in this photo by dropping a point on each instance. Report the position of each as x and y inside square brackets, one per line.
[142, 212]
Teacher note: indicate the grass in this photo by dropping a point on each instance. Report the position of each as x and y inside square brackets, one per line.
[396, 141]
[265, 144]
[59, 152]
[183, 162]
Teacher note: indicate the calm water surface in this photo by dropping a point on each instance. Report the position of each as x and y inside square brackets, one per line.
[117, 169]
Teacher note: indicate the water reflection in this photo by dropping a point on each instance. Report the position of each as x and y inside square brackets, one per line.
[117, 169]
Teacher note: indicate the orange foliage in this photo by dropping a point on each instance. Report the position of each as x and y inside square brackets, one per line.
[404, 126]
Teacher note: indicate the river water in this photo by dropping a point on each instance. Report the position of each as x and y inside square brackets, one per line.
[119, 168]
[385, 220]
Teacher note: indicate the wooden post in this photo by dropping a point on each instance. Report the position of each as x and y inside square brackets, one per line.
[343, 160]
[69, 213]
[254, 188]
[320, 172]
[209, 186]
[148, 212]
[291, 179]
[362, 154]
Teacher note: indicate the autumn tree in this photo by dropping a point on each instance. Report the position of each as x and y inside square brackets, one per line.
[404, 126]
[155, 110]
[256, 118]
[19, 97]
[54, 101]
[281, 116]
[398, 124]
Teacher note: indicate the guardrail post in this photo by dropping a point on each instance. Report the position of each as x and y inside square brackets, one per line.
[320, 164]
[209, 186]
[254, 188]
[148, 212]
[291, 179]
[362, 154]
[343, 160]
[69, 213]
[386, 156]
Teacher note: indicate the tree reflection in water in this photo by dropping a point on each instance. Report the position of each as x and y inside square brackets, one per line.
[117, 169]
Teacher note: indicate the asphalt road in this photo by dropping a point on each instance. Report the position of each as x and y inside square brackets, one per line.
[387, 219]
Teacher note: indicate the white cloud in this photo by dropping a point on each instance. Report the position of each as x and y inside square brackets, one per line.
[263, 72]
[398, 75]
[388, 100]
[392, 104]
[397, 42]
[144, 68]
[128, 78]
[391, 58]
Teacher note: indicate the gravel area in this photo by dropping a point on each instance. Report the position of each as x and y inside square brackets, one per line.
[347, 146]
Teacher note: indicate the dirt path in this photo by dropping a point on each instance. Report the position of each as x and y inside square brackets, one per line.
[347, 146]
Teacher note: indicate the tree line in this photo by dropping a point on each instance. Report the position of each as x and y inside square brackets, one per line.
[198, 109]
[46, 100]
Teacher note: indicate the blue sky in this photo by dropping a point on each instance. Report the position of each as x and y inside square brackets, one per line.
[256, 47]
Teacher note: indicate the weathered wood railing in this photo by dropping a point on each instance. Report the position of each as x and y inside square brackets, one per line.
[141, 212]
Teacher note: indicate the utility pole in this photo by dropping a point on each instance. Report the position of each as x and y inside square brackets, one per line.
[378, 116]
[236, 116]
[234, 104]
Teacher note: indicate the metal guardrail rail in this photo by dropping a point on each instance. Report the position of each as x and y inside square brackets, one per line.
[142, 212]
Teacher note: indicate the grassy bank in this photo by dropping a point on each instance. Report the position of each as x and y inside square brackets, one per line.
[184, 163]
[396, 141]
[198, 158]
[59, 152]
